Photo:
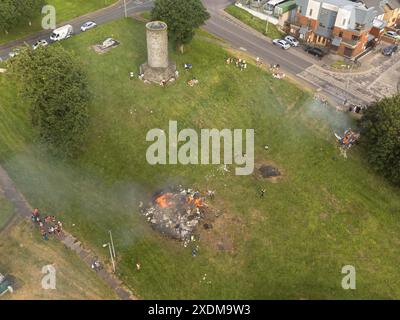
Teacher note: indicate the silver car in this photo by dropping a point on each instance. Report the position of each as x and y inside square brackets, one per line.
[40, 43]
[281, 43]
[292, 41]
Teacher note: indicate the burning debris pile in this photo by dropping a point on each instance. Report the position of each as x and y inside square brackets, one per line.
[176, 213]
[349, 138]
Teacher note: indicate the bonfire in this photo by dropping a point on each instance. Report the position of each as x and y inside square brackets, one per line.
[176, 213]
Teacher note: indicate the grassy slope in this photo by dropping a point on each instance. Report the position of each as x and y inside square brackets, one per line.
[6, 210]
[254, 22]
[327, 211]
[23, 254]
[65, 10]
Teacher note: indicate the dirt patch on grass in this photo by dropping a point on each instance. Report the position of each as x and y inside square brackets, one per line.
[268, 170]
[225, 231]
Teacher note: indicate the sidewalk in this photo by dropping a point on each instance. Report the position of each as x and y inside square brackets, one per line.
[23, 209]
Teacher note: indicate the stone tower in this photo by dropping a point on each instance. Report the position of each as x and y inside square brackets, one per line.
[158, 66]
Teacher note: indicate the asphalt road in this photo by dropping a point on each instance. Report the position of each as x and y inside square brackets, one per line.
[100, 17]
[240, 37]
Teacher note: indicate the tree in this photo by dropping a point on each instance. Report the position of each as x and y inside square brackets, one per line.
[381, 137]
[182, 18]
[52, 81]
[14, 12]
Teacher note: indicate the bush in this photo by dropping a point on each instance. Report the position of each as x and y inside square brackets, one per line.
[381, 137]
[52, 81]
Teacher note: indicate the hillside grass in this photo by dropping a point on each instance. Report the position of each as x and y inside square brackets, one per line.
[326, 211]
[254, 22]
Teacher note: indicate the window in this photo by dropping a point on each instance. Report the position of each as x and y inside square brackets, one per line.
[355, 38]
[344, 22]
[340, 34]
[310, 14]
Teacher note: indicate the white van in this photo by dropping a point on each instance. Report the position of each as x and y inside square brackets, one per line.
[62, 33]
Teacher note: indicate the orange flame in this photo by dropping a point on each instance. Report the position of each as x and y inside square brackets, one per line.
[164, 201]
[197, 202]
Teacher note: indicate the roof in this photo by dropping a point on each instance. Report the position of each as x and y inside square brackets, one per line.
[288, 5]
[275, 2]
[380, 4]
[394, 3]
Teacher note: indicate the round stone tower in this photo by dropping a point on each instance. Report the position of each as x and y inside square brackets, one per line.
[158, 67]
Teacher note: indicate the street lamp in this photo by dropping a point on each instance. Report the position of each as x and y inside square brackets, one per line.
[111, 254]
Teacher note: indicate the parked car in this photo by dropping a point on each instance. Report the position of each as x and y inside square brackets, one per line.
[14, 53]
[390, 50]
[88, 25]
[281, 43]
[317, 52]
[392, 34]
[292, 41]
[62, 33]
[40, 43]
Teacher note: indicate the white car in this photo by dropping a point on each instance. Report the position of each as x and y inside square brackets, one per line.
[88, 25]
[40, 43]
[281, 43]
[292, 41]
[14, 53]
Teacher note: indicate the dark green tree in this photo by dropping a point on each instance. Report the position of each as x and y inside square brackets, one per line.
[15, 12]
[381, 137]
[52, 81]
[182, 18]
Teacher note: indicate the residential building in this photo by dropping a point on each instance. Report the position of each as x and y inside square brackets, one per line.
[340, 25]
[387, 10]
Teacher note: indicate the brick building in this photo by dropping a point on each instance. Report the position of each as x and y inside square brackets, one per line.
[342, 26]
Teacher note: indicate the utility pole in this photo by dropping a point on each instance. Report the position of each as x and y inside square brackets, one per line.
[266, 27]
[112, 244]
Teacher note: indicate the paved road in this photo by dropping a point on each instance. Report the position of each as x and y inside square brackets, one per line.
[102, 16]
[238, 35]
[294, 61]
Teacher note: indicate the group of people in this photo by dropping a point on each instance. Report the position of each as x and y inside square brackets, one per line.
[240, 63]
[47, 225]
[274, 68]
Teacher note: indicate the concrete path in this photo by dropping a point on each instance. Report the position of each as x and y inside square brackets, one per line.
[24, 210]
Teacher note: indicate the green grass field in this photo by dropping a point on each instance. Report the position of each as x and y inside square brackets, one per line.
[65, 10]
[6, 210]
[23, 255]
[326, 211]
[254, 22]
